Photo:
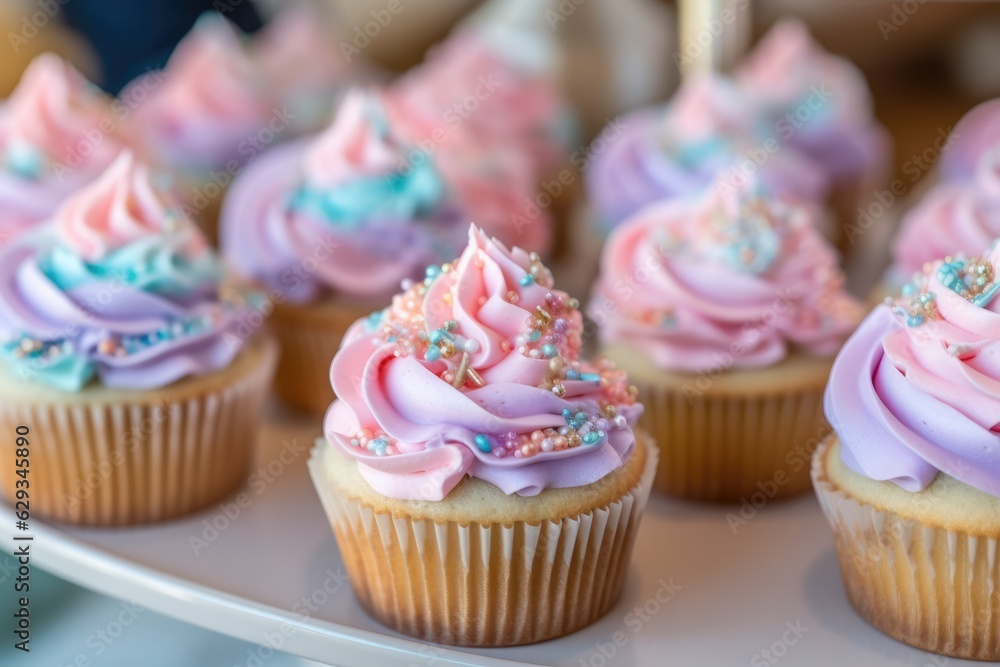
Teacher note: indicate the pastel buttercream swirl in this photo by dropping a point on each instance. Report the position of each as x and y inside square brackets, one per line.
[476, 371]
[818, 101]
[57, 132]
[466, 91]
[736, 279]
[212, 102]
[347, 212]
[916, 390]
[678, 151]
[953, 217]
[977, 132]
[121, 286]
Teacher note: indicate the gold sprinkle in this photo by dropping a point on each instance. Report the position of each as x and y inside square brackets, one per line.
[476, 378]
[447, 348]
[544, 314]
[460, 373]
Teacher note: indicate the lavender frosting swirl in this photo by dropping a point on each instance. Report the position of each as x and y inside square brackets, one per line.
[916, 390]
[120, 286]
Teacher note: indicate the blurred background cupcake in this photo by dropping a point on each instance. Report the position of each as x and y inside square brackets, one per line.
[330, 227]
[726, 312]
[58, 132]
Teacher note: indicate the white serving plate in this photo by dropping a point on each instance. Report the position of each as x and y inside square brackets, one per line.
[740, 592]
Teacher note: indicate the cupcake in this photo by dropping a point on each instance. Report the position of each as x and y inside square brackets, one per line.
[910, 481]
[726, 313]
[977, 132]
[127, 360]
[303, 67]
[466, 91]
[329, 228]
[211, 115]
[678, 151]
[477, 473]
[819, 104]
[953, 217]
[57, 133]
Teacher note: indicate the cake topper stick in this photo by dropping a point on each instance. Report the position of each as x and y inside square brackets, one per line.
[714, 34]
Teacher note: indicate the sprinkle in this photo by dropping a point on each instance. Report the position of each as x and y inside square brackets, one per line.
[448, 349]
[432, 272]
[592, 438]
[450, 325]
[475, 377]
[432, 354]
[559, 390]
[590, 377]
[534, 336]
[471, 346]
[526, 280]
[483, 443]
[549, 351]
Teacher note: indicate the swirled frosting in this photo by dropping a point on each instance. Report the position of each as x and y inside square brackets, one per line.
[211, 102]
[297, 53]
[953, 217]
[467, 92]
[57, 132]
[121, 286]
[819, 101]
[978, 131]
[734, 279]
[476, 371]
[347, 213]
[656, 154]
[916, 390]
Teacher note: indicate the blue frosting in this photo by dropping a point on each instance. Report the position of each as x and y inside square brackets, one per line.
[55, 363]
[151, 264]
[410, 195]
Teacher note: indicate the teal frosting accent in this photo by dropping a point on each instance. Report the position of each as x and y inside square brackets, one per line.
[55, 364]
[697, 152]
[25, 161]
[399, 195]
[152, 264]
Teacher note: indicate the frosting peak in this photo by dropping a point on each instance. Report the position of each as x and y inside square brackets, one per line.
[359, 144]
[917, 389]
[476, 370]
[952, 217]
[119, 208]
[122, 286]
[734, 275]
[52, 110]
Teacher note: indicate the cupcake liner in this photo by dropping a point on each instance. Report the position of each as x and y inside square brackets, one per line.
[485, 585]
[309, 337]
[729, 447]
[935, 589]
[118, 458]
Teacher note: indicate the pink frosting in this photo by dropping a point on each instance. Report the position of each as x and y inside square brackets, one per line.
[953, 217]
[496, 189]
[436, 428]
[212, 99]
[353, 146]
[732, 280]
[788, 62]
[53, 110]
[916, 390]
[976, 132]
[705, 107]
[121, 207]
[295, 52]
[467, 92]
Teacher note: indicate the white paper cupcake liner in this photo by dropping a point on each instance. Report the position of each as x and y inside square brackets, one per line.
[485, 585]
[136, 457]
[935, 589]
